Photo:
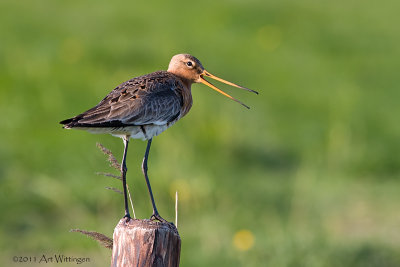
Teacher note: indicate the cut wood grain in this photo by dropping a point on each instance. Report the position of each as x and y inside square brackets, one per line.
[145, 243]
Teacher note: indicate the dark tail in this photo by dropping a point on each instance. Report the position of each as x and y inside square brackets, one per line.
[68, 123]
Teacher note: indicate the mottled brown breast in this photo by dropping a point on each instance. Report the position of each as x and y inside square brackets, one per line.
[183, 88]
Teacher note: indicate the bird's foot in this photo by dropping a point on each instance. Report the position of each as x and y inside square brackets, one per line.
[128, 217]
[157, 216]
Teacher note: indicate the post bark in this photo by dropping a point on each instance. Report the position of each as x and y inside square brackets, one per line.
[145, 243]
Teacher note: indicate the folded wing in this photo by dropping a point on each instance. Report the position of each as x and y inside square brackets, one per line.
[149, 99]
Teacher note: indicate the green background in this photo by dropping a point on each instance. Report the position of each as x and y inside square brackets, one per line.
[310, 173]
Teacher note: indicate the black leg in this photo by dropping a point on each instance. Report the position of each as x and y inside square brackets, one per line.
[155, 215]
[123, 172]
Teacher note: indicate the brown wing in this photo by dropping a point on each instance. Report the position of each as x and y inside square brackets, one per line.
[149, 99]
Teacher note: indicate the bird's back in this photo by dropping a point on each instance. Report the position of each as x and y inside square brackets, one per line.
[141, 107]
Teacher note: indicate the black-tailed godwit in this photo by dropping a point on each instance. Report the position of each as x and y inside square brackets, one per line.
[145, 106]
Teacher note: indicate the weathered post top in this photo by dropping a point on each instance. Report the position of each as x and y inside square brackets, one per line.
[145, 243]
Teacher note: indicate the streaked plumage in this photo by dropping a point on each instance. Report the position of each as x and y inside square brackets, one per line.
[142, 107]
[145, 106]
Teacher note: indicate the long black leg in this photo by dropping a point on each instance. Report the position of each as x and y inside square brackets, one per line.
[155, 215]
[124, 169]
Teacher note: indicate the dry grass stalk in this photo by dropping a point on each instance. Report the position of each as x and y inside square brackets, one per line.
[105, 241]
[115, 164]
[113, 161]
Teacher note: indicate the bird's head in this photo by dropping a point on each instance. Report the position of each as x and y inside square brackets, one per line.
[190, 68]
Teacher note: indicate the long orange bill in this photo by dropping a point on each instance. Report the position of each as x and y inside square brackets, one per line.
[206, 73]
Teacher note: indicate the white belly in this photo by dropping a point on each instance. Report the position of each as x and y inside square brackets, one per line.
[136, 132]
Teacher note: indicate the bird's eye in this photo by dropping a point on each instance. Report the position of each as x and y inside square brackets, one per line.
[189, 64]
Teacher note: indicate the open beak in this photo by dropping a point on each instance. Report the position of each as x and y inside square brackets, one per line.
[204, 81]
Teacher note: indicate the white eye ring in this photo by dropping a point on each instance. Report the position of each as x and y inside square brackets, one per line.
[189, 64]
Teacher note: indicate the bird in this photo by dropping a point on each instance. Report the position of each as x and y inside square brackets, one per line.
[145, 106]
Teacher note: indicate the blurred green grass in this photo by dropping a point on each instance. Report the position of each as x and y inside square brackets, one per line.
[311, 171]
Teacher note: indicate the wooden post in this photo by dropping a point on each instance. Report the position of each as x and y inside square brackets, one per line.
[145, 243]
